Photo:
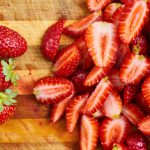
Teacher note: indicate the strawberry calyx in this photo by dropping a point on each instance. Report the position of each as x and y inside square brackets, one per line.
[136, 49]
[115, 147]
[141, 57]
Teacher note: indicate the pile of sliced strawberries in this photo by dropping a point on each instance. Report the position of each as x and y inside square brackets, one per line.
[102, 79]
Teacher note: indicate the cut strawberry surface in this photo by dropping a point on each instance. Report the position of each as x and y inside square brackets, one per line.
[101, 38]
[132, 20]
[98, 97]
[73, 111]
[98, 114]
[77, 29]
[89, 133]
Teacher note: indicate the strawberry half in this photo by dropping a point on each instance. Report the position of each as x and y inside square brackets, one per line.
[67, 61]
[78, 28]
[98, 114]
[52, 90]
[101, 38]
[119, 146]
[132, 20]
[98, 97]
[134, 68]
[89, 133]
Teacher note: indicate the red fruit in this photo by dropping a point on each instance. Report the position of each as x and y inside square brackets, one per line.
[134, 68]
[78, 28]
[133, 113]
[12, 44]
[128, 2]
[144, 125]
[102, 43]
[94, 5]
[98, 97]
[95, 75]
[113, 130]
[120, 146]
[52, 90]
[132, 20]
[73, 111]
[51, 38]
[113, 105]
[89, 133]
[67, 61]
[98, 114]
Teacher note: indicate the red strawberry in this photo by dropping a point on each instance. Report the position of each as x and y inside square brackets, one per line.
[98, 114]
[134, 68]
[73, 111]
[51, 38]
[113, 130]
[117, 146]
[89, 133]
[101, 38]
[133, 113]
[113, 105]
[52, 90]
[67, 61]
[98, 97]
[12, 44]
[144, 125]
[128, 2]
[78, 28]
[95, 75]
[132, 20]
[94, 5]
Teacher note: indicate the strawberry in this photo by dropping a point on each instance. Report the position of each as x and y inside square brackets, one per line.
[132, 20]
[98, 97]
[113, 105]
[73, 111]
[133, 113]
[101, 38]
[134, 68]
[95, 75]
[113, 130]
[128, 2]
[98, 114]
[118, 146]
[67, 61]
[52, 90]
[89, 133]
[94, 5]
[144, 125]
[12, 44]
[78, 28]
[51, 38]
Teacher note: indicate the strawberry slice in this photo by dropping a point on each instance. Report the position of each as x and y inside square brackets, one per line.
[133, 113]
[101, 38]
[98, 114]
[78, 28]
[132, 20]
[94, 5]
[89, 133]
[95, 75]
[52, 90]
[73, 111]
[113, 130]
[120, 146]
[113, 105]
[98, 97]
[134, 68]
[144, 125]
[67, 61]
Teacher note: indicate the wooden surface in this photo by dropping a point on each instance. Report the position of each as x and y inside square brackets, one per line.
[30, 128]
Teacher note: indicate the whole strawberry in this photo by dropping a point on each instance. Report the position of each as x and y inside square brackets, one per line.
[12, 44]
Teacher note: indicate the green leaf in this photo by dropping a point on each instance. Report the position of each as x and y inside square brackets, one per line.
[8, 91]
[13, 95]
[13, 100]
[4, 63]
[10, 61]
[7, 102]
[1, 108]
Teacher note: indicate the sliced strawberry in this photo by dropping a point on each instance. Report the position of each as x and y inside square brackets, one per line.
[78, 28]
[101, 38]
[128, 2]
[73, 111]
[115, 80]
[98, 97]
[98, 114]
[134, 68]
[132, 20]
[120, 146]
[89, 133]
[95, 75]
[67, 61]
[146, 90]
[113, 130]
[52, 90]
[133, 113]
[94, 5]
[144, 125]
[113, 105]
